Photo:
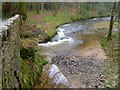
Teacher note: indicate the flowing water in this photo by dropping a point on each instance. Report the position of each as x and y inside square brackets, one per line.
[75, 52]
[72, 35]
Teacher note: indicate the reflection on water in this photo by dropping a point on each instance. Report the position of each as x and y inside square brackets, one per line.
[89, 39]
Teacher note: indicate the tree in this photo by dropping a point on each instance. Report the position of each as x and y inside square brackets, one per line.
[55, 7]
[30, 6]
[42, 6]
[22, 9]
[6, 9]
[37, 8]
[109, 37]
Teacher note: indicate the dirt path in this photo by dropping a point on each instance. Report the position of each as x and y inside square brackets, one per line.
[83, 68]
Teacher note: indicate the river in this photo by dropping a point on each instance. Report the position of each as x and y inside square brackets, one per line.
[76, 53]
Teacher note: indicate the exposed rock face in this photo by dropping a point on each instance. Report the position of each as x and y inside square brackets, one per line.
[9, 51]
[58, 77]
[52, 77]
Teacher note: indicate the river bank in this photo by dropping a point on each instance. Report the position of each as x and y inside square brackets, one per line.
[74, 60]
[111, 49]
[42, 27]
[60, 44]
[48, 23]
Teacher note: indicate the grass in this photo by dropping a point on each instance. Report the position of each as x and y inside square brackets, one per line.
[111, 50]
[54, 21]
[48, 22]
[30, 70]
[103, 24]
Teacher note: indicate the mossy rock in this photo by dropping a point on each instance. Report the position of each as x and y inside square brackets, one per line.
[29, 43]
[28, 49]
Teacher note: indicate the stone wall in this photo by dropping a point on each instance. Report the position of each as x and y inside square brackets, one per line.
[10, 52]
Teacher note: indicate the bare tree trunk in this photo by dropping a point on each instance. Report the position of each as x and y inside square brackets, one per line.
[111, 23]
[55, 8]
[42, 6]
[30, 6]
[37, 7]
[90, 5]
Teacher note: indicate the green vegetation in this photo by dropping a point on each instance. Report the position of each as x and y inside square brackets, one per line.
[39, 25]
[0, 9]
[58, 19]
[29, 70]
[104, 25]
[28, 49]
[50, 15]
[31, 63]
[22, 10]
[51, 21]
[111, 50]
[54, 14]
[47, 22]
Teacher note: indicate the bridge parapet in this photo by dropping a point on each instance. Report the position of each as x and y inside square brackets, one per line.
[9, 52]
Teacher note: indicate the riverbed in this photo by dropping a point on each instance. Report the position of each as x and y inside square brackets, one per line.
[75, 50]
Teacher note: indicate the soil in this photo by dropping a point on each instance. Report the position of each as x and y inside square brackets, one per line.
[83, 68]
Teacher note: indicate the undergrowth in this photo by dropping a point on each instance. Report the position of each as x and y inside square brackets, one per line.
[111, 66]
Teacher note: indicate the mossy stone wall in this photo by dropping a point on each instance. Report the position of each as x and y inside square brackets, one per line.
[10, 52]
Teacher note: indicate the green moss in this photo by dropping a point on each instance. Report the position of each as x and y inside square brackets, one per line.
[28, 49]
[29, 70]
[27, 53]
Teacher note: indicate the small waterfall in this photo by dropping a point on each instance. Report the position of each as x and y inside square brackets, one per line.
[59, 38]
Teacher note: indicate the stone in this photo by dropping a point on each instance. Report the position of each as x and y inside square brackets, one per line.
[10, 49]
[57, 76]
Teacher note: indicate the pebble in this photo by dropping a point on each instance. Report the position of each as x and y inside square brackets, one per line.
[79, 66]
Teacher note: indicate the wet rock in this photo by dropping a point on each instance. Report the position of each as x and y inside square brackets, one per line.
[96, 86]
[57, 75]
